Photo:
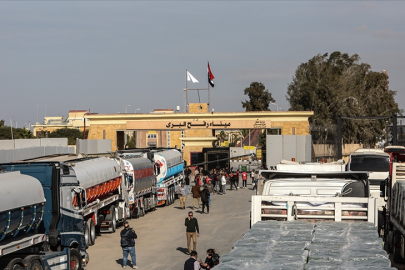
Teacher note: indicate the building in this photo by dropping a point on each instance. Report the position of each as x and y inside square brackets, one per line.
[74, 120]
[190, 131]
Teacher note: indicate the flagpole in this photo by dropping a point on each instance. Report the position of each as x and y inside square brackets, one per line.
[186, 92]
[209, 102]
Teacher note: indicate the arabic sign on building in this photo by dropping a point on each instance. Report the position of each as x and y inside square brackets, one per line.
[198, 124]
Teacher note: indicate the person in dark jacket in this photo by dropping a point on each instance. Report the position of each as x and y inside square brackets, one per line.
[205, 198]
[130, 235]
[192, 231]
[196, 192]
[211, 260]
[192, 263]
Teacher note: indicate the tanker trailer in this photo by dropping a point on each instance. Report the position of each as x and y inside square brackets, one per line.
[142, 184]
[92, 189]
[168, 168]
[30, 222]
[102, 193]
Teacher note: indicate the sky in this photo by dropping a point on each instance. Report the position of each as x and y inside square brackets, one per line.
[101, 56]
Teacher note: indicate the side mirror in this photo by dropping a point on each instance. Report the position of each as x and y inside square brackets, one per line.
[382, 189]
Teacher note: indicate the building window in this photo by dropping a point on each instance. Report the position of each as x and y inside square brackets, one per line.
[182, 142]
[151, 136]
[104, 134]
[168, 139]
[293, 131]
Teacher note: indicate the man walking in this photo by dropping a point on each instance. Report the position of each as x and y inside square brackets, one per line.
[192, 263]
[192, 231]
[183, 196]
[196, 191]
[211, 190]
[128, 237]
[205, 197]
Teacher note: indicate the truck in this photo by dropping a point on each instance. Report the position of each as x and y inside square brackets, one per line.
[168, 165]
[285, 165]
[39, 227]
[95, 190]
[376, 163]
[142, 194]
[310, 220]
[393, 191]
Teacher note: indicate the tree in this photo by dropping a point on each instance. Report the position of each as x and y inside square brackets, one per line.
[18, 133]
[259, 98]
[341, 85]
[69, 133]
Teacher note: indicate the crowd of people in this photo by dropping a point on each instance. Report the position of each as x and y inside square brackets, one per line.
[206, 184]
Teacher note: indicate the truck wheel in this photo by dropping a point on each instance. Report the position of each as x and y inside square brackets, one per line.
[142, 212]
[92, 232]
[86, 234]
[167, 198]
[35, 265]
[75, 260]
[171, 196]
[113, 221]
[154, 203]
[15, 264]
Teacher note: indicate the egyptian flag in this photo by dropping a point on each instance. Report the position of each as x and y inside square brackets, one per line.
[210, 76]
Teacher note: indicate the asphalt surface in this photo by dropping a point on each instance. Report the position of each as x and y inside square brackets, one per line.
[161, 242]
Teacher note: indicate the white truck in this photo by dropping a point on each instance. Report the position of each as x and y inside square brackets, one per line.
[292, 166]
[310, 220]
[376, 163]
[313, 195]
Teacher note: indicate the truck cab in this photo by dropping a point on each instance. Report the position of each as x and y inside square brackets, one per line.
[376, 163]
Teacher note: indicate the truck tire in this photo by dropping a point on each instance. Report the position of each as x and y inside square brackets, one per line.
[92, 232]
[35, 265]
[75, 260]
[113, 221]
[15, 264]
[33, 262]
[154, 203]
[142, 212]
[86, 234]
[167, 198]
[171, 196]
[137, 210]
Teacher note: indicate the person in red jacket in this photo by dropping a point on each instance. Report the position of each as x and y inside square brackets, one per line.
[244, 179]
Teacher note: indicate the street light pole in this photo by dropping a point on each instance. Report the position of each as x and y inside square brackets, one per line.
[274, 104]
[126, 108]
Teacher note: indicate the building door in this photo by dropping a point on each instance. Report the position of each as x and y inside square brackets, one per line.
[120, 140]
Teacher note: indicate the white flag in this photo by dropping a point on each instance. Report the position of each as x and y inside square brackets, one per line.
[191, 78]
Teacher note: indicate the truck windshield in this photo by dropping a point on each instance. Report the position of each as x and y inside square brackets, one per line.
[370, 163]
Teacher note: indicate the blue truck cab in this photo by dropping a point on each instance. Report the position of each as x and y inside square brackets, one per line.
[60, 230]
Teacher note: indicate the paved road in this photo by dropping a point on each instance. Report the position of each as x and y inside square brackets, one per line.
[161, 242]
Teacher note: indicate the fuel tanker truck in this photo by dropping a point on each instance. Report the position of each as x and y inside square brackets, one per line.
[38, 228]
[94, 194]
[141, 182]
[153, 175]
[169, 165]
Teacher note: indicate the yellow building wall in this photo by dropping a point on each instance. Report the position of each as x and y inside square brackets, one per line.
[96, 132]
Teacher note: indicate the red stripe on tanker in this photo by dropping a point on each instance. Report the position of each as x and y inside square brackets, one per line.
[98, 177]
